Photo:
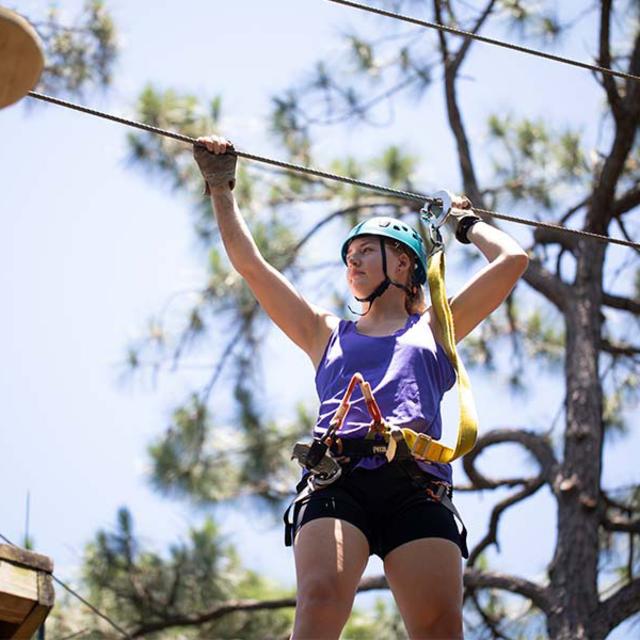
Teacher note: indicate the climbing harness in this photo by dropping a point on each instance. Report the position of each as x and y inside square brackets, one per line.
[21, 57]
[331, 457]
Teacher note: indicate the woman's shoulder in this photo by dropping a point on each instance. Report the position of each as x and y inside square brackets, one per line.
[429, 317]
[327, 324]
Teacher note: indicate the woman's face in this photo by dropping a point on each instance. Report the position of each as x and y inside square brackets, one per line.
[364, 265]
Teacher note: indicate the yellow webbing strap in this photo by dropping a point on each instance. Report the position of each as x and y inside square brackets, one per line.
[421, 445]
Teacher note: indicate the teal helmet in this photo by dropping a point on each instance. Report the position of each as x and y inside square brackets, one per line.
[393, 229]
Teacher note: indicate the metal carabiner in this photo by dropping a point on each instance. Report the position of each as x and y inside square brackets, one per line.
[437, 210]
[434, 213]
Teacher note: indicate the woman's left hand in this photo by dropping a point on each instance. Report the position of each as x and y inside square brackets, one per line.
[461, 207]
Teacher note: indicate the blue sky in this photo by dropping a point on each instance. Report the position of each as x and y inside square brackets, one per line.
[90, 249]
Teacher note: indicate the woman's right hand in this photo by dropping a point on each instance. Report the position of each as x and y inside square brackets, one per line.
[217, 162]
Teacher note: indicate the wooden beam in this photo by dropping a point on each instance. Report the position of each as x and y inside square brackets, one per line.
[26, 592]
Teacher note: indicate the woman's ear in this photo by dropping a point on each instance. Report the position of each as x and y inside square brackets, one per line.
[404, 263]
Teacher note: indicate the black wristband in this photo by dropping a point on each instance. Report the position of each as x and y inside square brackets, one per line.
[463, 228]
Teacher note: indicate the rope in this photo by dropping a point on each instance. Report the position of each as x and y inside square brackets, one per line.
[486, 40]
[406, 195]
[79, 597]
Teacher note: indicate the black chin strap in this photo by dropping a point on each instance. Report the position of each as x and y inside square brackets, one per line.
[382, 287]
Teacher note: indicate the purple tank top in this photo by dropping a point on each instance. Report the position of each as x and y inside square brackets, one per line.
[408, 373]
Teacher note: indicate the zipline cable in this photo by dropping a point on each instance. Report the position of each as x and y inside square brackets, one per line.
[79, 597]
[487, 40]
[406, 195]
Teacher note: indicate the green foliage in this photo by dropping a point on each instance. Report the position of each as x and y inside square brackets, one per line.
[350, 168]
[616, 545]
[396, 167]
[363, 54]
[141, 589]
[544, 337]
[570, 156]
[534, 163]
[186, 463]
[383, 622]
[170, 110]
[206, 463]
[532, 20]
[621, 396]
[288, 126]
[78, 55]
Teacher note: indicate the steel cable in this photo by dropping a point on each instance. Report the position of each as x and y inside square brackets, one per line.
[487, 40]
[406, 195]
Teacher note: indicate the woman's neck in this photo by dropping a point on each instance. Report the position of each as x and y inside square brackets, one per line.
[386, 311]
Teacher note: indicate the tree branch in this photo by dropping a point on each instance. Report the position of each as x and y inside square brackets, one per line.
[622, 303]
[625, 233]
[469, 179]
[605, 58]
[491, 621]
[473, 579]
[464, 47]
[358, 207]
[626, 202]
[534, 443]
[543, 235]
[625, 350]
[491, 537]
[626, 119]
[217, 612]
[615, 609]
[538, 446]
[549, 285]
[234, 606]
[622, 525]
[476, 579]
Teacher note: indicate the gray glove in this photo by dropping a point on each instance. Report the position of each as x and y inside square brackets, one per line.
[461, 218]
[217, 169]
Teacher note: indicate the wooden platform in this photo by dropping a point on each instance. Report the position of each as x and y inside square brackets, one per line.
[26, 591]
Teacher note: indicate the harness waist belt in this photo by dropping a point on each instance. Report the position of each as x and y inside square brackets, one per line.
[418, 445]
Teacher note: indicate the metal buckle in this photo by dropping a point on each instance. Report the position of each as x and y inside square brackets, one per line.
[442, 489]
[324, 472]
[422, 437]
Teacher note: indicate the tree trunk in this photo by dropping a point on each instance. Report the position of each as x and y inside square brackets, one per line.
[574, 571]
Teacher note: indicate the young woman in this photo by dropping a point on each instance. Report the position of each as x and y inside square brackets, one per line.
[376, 507]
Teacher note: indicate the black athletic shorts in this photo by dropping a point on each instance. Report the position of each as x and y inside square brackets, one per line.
[385, 504]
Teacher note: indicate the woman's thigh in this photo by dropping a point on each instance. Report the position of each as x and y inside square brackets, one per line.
[425, 577]
[330, 556]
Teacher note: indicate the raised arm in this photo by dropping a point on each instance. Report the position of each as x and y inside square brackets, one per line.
[489, 287]
[307, 325]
